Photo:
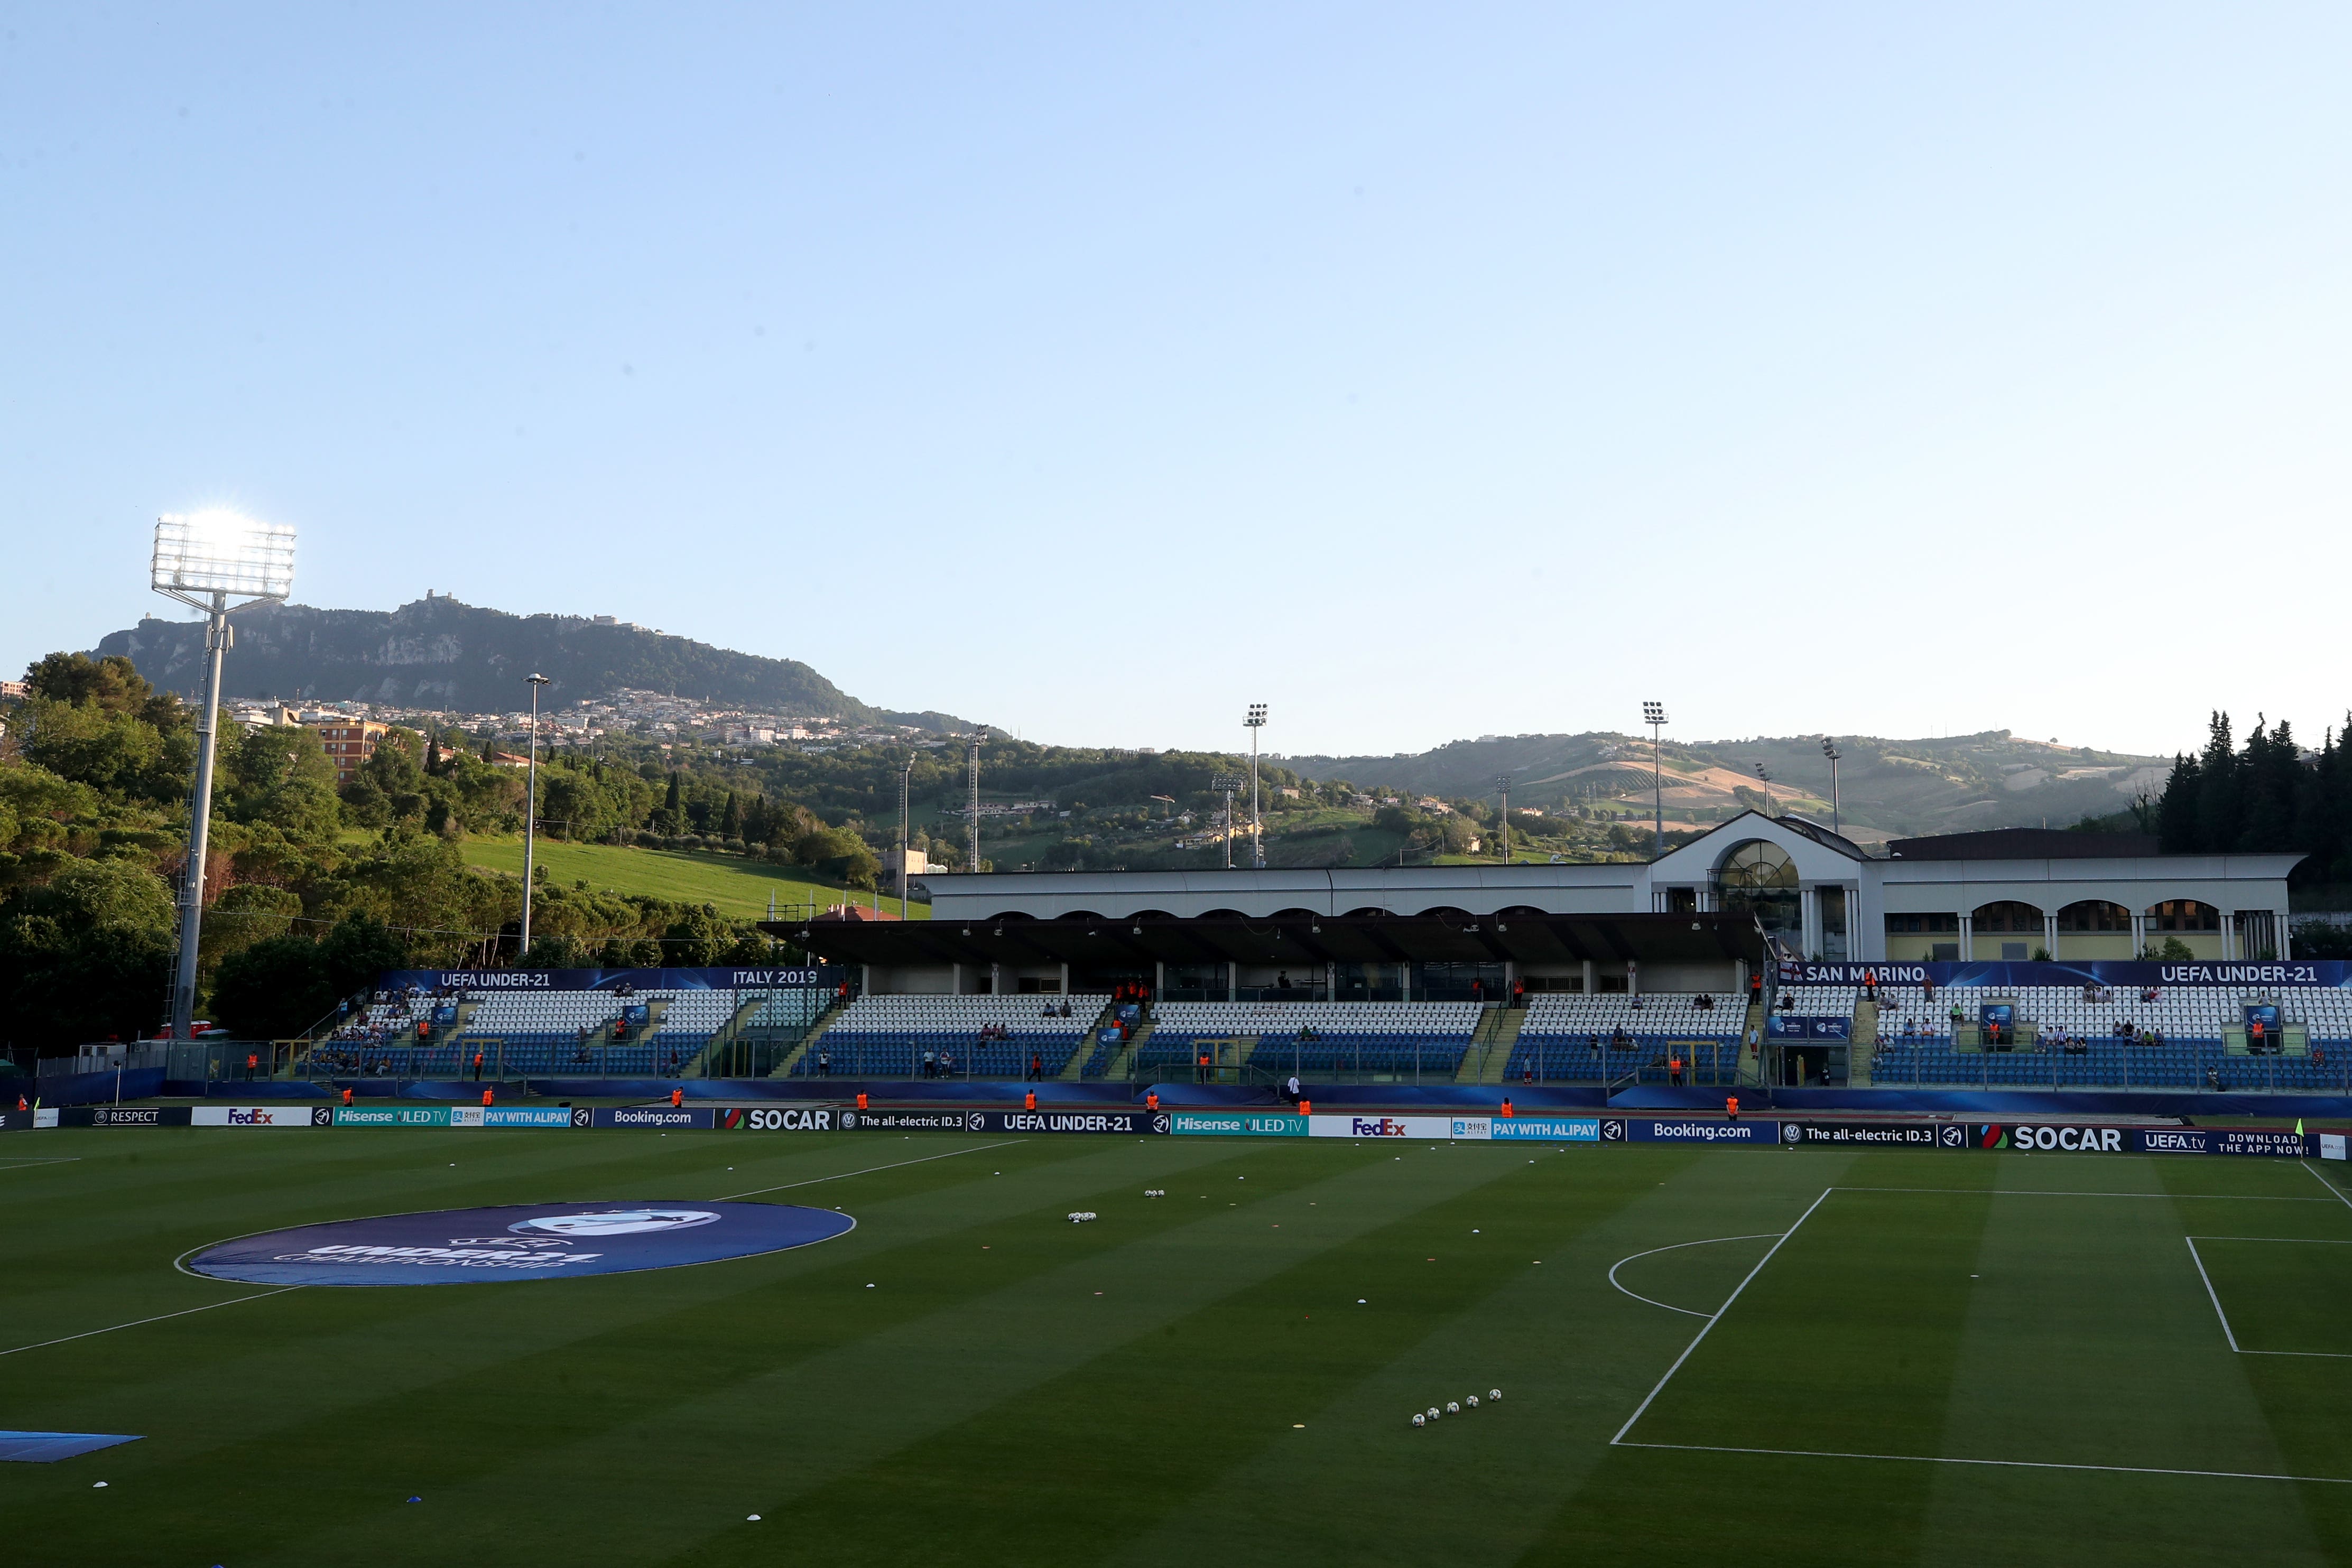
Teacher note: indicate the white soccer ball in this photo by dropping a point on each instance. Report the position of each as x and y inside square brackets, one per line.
[1472, 1402]
[1434, 1412]
[1419, 1419]
[1451, 1409]
[1494, 1394]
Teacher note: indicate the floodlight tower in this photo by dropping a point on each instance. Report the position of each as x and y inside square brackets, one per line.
[1225, 784]
[1767, 778]
[906, 827]
[204, 560]
[1655, 716]
[1256, 722]
[1503, 782]
[972, 804]
[1829, 750]
[531, 802]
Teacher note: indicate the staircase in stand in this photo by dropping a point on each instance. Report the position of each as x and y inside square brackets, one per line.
[808, 1040]
[1863, 1045]
[1076, 1068]
[1491, 1044]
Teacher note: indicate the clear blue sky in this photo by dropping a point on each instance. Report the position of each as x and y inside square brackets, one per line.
[1096, 371]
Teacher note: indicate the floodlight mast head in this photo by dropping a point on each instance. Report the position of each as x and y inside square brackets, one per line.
[206, 559]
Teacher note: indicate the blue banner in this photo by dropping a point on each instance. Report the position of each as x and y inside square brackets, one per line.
[524, 1241]
[2129, 973]
[1685, 1129]
[1794, 1025]
[701, 1118]
[824, 978]
[2271, 1141]
[1545, 1129]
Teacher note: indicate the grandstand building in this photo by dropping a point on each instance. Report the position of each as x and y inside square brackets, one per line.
[1688, 922]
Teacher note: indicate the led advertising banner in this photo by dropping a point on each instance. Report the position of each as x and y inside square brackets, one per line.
[260, 1116]
[1794, 1025]
[2122, 974]
[695, 1118]
[1676, 1130]
[2273, 1140]
[612, 979]
[391, 1116]
[2051, 1138]
[1320, 1125]
[1237, 1124]
[1877, 1134]
[1545, 1129]
[529, 1241]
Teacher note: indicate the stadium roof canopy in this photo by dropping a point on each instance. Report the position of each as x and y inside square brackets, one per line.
[1523, 937]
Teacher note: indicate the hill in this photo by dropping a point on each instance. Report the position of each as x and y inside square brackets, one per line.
[1886, 787]
[439, 653]
[730, 883]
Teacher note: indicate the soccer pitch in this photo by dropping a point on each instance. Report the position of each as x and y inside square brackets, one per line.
[1787, 1355]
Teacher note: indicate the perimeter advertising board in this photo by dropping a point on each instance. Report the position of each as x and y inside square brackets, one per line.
[260, 1116]
[2051, 1138]
[1682, 1130]
[391, 1116]
[1442, 1128]
[1020, 1121]
[1545, 1129]
[2221, 1141]
[776, 1119]
[1877, 1134]
[1237, 1124]
[139, 1116]
[694, 1118]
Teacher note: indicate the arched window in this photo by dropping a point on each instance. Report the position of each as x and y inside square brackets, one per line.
[2095, 915]
[2008, 917]
[2183, 915]
[1758, 876]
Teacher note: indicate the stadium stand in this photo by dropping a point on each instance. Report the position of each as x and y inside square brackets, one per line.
[1420, 1038]
[1611, 1035]
[888, 1035]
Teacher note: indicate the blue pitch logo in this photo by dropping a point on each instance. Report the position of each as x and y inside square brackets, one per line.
[535, 1242]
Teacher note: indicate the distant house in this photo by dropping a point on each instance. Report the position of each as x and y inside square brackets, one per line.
[348, 743]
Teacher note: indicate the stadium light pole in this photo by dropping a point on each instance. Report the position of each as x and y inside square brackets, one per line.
[1256, 722]
[1829, 750]
[531, 803]
[1767, 778]
[906, 825]
[1503, 782]
[205, 560]
[1655, 716]
[1227, 783]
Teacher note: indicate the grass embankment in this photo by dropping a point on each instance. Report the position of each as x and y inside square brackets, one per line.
[731, 883]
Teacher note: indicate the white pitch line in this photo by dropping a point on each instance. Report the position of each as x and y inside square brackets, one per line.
[2210, 1293]
[136, 1321]
[2003, 1464]
[1676, 1247]
[2049, 1192]
[1743, 1284]
[869, 1170]
[53, 1160]
[2330, 1185]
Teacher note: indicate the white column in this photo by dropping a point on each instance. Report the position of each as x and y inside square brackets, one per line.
[2050, 933]
[1590, 980]
[955, 983]
[2285, 938]
[1066, 980]
[2228, 936]
[1809, 920]
[1159, 978]
[2138, 933]
[866, 980]
[1968, 937]
[1632, 977]
[1232, 981]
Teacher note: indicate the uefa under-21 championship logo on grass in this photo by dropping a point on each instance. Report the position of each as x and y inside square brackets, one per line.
[518, 1241]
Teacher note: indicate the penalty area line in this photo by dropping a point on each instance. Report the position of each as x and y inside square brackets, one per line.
[1676, 1247]
[869, 1170]
[1999, 1464]
[92, 1333]
[2337, 1191]
[1718, 1318]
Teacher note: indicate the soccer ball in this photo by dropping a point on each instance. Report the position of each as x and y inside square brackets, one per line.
[1494, 1394]
[1080, 1216]
[1434, 1412]
[1419, 1419]
[1472, 1402]
[1451, 1409]
[1155, 1192]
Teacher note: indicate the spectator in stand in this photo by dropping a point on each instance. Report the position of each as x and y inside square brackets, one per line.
[824, 1064]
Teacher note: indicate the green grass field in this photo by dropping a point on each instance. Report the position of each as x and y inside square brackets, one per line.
[1225, 1372]
[733, 884]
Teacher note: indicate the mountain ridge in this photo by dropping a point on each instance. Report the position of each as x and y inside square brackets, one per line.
[440, 653]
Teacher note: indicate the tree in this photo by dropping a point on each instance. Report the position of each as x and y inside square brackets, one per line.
[87, 954]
